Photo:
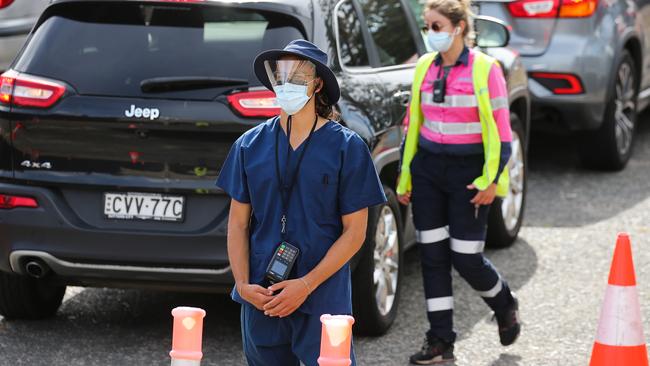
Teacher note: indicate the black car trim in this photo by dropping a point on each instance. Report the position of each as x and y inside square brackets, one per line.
[373, 57]
[386, 157]
[16, 30]
[66, 268]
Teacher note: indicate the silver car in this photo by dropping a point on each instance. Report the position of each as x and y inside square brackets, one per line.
[17, 17]
[587, 62]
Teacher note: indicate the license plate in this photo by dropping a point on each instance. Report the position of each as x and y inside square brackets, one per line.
[144, 206]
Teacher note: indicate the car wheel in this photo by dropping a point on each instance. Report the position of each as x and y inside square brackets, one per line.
[377, 279]
[507, 214]
[23, 297]
[610, 147]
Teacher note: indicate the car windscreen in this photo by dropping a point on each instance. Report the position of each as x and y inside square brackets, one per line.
[110, 49]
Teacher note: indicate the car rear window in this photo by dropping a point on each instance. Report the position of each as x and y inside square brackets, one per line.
[108, 49]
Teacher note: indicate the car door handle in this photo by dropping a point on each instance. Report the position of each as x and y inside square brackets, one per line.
[402, 97]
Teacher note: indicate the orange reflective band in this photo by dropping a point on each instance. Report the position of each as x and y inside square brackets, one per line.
[622, 270]
[604, 355]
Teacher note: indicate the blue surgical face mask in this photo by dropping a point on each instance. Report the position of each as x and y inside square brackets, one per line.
[440, 41]
[291, 97]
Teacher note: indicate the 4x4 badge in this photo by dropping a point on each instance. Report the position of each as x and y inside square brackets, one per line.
[35, 165]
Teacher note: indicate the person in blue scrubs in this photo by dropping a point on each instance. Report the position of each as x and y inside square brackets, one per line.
[305, 179]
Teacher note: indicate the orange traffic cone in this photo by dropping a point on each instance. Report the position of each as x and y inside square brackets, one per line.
[620, 340]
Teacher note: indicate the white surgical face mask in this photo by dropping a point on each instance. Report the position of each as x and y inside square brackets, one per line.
[291, 97]
[441, 41]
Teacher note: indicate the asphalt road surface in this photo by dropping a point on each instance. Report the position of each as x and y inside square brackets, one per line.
[558, 268]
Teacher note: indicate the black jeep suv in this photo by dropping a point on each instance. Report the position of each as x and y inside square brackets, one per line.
[116, 116]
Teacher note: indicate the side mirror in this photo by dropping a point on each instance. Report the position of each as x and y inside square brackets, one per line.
[491, 32]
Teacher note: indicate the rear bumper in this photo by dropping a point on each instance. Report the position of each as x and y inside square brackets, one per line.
[78, 253]
[90, 273]
[568, 113]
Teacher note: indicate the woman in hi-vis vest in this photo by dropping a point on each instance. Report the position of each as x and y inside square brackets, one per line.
[453, 165]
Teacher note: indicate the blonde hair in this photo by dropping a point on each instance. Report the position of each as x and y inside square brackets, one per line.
[454, 10]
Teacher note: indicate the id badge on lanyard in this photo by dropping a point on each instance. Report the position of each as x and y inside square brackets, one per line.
[285, 254]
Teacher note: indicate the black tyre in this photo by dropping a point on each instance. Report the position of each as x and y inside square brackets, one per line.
[507, 214]
[23, 297]
[376, 281]
[610, 147]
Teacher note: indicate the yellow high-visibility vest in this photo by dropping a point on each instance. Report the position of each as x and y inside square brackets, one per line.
[489, 130]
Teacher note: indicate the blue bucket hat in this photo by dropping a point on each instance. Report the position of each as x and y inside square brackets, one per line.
[308, 51]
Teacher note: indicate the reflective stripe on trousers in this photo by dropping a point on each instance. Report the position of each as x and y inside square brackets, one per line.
[449, 235]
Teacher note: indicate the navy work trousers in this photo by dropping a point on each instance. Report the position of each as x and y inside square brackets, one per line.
[290, 341]
[450, 233]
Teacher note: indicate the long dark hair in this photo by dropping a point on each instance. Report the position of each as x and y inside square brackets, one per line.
[324, 108]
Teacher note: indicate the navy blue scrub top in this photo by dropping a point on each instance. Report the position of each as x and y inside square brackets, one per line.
[337, 177]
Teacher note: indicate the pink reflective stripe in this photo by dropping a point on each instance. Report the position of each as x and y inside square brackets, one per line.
[502, 116]
[451, 115]
[450, 139]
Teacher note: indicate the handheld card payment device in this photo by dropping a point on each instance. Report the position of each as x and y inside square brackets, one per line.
[282, 262]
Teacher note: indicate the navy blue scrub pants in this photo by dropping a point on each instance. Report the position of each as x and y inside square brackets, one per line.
[281, 341]
[448, 233]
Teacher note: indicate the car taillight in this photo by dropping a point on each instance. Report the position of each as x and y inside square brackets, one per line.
[552, 8]
[534, 8]
[577, 8]
[255, 103]
[6, 88]
[9, 202]
[28, 91]
[559, 83]
[5, 3]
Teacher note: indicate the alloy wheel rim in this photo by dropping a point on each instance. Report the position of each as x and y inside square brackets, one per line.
[386, 258]
[511, 205]
[625, 108]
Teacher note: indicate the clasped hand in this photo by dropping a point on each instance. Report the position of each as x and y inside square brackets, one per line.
[293, 294]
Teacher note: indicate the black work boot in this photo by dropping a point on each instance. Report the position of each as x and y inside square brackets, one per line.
[434, 351]
[509, 323]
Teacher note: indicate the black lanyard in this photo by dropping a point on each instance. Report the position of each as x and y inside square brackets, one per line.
[287, 187]
[444, 72]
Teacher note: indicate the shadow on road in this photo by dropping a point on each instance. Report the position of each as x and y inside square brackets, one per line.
[561, 193]
[517, 265]
[120, 327]
[506, 359]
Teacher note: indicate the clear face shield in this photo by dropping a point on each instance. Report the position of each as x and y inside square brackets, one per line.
[296, 72]
[290, 80]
